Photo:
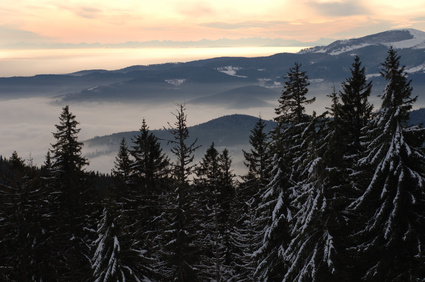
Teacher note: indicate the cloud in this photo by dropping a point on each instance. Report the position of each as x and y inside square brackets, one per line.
[420, 19]
[83, 11]
[335, 8]
[247, 24]
[11, 35]
[88, 12]
[362, 28]
[199, 9]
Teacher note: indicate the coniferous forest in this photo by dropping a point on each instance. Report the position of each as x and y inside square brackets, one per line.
[337, 196]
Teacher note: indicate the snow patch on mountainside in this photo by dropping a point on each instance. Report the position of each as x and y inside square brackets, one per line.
[348, 49]
[230, 70]
[399, 39]
[372, 75]
[269, 83]
[316, 80]
[420, 68]
[175, 82]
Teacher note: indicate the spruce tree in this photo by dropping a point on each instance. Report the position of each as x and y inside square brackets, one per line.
[119, 254]
[122, 169]
[114, 258]
[293, 99]
[145, 199]
[311, 252]
[256, 160]
[70, 199]
[391, 208]
[355, 110]
[247, 230]
[211, 238]
[150, 163]
[350, 113]
[285, 149]
[181, 236]
[226, 200]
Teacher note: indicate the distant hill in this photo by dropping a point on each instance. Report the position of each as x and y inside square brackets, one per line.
[235, 81]
[230, 132]
[227, 131]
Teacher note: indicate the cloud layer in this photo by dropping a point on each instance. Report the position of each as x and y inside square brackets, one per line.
[110, 21]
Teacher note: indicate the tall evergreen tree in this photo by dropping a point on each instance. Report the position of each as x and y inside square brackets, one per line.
[350, 113]
[292, 102]
[181, 240]
[212, 263]
[257, 159]
[311, 252]
[117, 257]
[151, 164]
[285, 174]
[70, 200]
[123, 163]
[147, 188]
[247, 230]
[391, 208]
[355, 109]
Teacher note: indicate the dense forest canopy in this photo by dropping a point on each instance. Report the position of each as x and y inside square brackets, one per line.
[332, 197]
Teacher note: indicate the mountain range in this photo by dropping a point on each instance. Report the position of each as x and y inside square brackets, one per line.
[234, 82]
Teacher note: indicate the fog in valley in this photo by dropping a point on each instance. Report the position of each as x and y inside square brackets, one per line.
[26, 125]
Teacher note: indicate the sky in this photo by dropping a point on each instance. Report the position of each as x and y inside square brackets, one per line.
[118, 21]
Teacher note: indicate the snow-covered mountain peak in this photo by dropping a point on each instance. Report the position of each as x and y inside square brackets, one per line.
[400, 38]
[417, 41]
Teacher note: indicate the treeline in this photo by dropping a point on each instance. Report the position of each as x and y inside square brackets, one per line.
[332, 197]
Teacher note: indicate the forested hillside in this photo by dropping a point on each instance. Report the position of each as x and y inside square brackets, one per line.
[336, 196]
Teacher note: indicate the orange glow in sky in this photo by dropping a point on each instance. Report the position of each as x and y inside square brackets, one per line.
[115, 21]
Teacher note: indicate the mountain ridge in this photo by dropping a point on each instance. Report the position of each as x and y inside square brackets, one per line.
[205, 81]
[399, 39]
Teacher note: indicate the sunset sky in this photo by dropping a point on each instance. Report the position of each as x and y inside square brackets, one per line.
[117, 21]
[31, 29]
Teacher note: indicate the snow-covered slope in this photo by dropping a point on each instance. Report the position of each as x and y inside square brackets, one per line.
[399, 39]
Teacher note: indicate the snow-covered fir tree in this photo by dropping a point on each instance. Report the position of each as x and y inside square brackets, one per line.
[214, 225]
[285, 150]
[114, 259]
[310, 253]
[118, 254]
[390, 211]
[247, 231]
